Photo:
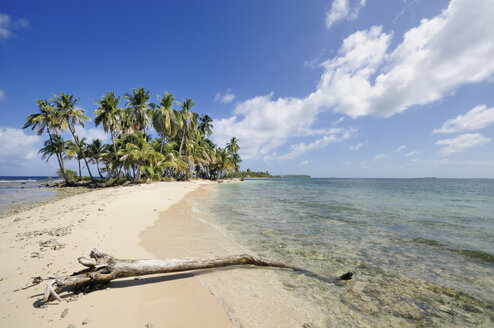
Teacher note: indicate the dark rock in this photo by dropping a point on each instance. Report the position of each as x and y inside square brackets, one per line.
[346, 276]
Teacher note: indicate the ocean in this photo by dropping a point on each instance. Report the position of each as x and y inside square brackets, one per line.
[421, 250]
[19, 191]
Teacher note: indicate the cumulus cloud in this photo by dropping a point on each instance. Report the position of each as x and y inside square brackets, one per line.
[262, 124]
[91, 134]
[17, 147]
[359, 145]
[380, 156]
[413, 153]
[304, 163]
[461, 143]
[7, 25]
[400, 148]
[337, 135]
[338, 121]
[369, 78]
[343, 10]
[225, 98]
[423, 68]
[477, 118]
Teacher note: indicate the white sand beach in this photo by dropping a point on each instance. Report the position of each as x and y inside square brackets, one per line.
[141, 221]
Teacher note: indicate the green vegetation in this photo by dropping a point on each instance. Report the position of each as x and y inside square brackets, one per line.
[260, 174]
[251, 174]
[181, 150]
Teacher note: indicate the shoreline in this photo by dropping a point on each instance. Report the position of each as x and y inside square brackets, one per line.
[141, 221]
[48, 239]
[252, 297]
[62, 193]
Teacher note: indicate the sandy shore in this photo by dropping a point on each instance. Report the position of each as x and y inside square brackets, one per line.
[145, 221]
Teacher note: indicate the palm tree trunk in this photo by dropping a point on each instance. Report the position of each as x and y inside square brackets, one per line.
[79, 161]
[99, 171]
[137, 175]
[60, 161]
[182, 141]
[81, 150]
[62, 168]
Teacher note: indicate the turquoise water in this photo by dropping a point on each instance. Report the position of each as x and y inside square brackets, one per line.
[422, 250]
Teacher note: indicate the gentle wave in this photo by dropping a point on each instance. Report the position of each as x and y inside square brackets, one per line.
[474, 254]
[369, 227]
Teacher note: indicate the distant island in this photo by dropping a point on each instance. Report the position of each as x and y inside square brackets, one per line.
[260, 174]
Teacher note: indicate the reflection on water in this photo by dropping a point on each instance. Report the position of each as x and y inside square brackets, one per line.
[422, 249]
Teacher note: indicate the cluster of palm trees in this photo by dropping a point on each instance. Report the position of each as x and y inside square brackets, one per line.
[181, 150]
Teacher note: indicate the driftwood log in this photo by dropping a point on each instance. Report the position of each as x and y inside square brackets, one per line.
[102, 268]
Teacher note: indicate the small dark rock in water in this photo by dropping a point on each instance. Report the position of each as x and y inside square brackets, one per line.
[346, 276]
[471, 308]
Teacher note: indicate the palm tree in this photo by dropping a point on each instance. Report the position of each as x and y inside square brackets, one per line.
[139, 153]
[187, 120]
[55, 145]
[96, 150]
[233, 147]
[223, 163]
[164, 118]
[206, 125]
[43, 121]
[73, 151]
[138, 107]
[68, 116]
[108, 113]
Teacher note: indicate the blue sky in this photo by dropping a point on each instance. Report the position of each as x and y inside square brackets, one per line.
[343, 88]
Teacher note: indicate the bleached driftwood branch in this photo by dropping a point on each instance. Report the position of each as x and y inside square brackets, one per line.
[102, 268]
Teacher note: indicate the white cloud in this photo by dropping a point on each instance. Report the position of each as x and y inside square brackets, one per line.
[298, 149]
[461, 143]
[2, 94]
[413, 153]
[7, 25]
[270, 157]
[17, 147]
[367, 78]
[225, 98]
[359, 145]
[477, 118]
[338, 121]
[304, 163]
[343, 9]
[91, 134]
[400, 148]
[380, 156]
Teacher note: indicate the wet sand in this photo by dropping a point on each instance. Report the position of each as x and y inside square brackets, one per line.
[252, 297]
[47, 240]
[145, 221]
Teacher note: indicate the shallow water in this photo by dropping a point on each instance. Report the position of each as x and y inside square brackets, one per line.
[16, 192]
[422, 250]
